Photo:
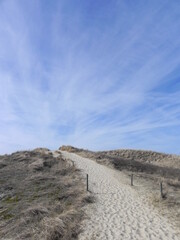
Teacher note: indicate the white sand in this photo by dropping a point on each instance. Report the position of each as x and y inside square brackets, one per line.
[119, 213]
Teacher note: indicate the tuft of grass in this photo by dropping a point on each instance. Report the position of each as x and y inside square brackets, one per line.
[8, 216]
[9, 200]
[89, 199]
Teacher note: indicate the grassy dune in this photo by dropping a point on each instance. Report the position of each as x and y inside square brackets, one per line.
[161, 164]
[41, 197]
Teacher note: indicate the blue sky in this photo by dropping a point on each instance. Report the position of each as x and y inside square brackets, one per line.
[94, 74]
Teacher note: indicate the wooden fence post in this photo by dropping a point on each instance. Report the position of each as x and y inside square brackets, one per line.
[87, 183]
[161, 189]
[131, 179]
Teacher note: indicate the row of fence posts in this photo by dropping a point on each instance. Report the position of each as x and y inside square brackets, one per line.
[132, 179]
[161, 186]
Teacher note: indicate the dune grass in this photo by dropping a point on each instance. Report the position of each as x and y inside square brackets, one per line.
[41, 197]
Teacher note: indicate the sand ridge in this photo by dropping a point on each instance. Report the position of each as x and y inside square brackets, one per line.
[119, 213]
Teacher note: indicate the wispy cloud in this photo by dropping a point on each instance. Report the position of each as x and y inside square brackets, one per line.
[94, 75]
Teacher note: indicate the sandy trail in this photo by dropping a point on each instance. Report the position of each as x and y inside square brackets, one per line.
[119, 213]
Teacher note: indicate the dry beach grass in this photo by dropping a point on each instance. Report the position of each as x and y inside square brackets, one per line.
[41, 196]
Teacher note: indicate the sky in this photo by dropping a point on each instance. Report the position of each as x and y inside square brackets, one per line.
[93, 74]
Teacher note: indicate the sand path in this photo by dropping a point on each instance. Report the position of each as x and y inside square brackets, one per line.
[119, 213]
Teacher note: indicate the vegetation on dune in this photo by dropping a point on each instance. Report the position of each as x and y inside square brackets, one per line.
[164, 165]
[41, 197]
